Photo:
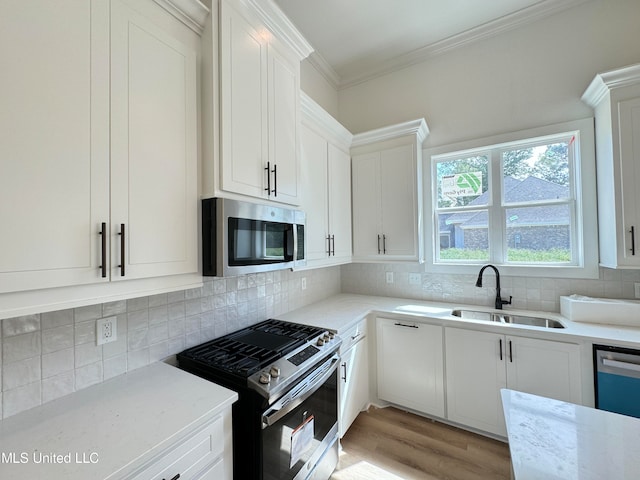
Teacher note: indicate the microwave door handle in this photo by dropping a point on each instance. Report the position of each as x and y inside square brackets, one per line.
[275, 413]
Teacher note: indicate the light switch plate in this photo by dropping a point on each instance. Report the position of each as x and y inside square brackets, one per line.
[389, 277]
[637, 287]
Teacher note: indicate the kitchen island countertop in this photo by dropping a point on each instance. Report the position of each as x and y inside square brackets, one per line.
[554, 440]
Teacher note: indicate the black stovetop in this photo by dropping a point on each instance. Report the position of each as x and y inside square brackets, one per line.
[246, 351]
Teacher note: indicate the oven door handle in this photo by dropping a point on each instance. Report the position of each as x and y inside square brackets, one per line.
[300, 392]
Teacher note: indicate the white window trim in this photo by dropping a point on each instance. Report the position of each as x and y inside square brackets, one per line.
[585, 177]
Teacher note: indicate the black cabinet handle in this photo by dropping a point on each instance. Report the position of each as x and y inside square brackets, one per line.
[404, 325]
[268, 170]
[103, 258]
[333, 241]
[384, 244]
[510, 351]
[378, 244]
[329, 245]
[275, 180]
[500, 349]
[344, 368]
[122, 247]
[633, 240]
[174, 478]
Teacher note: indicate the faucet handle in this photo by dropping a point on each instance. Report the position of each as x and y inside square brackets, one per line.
[506, 302]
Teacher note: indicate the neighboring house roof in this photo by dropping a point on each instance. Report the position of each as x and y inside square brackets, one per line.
[531, 188]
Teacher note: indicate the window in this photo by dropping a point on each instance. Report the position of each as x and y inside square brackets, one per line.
[519, 203]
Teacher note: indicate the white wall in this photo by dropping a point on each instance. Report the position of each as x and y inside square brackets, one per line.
[314, 84]
[520, 79]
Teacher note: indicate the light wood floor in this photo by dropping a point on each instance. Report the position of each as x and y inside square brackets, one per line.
[389, 444]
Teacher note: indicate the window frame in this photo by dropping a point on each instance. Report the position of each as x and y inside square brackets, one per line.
[583, 183]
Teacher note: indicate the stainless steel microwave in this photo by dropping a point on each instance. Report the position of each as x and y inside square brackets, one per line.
[242, 237]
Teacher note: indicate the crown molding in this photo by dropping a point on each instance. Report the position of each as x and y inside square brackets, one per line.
[281, 26]
[317, 118]
[417, 127]
[604, 82]
[192, 13]
[509, 22]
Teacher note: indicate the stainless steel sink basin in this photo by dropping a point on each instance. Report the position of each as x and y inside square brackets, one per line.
[533, 321]
[474, 315]
[506, 318]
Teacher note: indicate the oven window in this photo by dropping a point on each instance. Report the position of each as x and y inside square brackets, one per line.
[256, 242]
[301, 434]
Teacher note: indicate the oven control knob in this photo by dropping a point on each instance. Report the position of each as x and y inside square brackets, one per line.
[326, 337]
[332, 335]
[320, 342]
[274, 372]
[265, 378]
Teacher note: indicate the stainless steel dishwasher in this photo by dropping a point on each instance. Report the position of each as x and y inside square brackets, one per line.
[617, 379]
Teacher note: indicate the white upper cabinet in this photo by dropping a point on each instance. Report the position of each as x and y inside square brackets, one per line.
[387, 193]
[615, 97]
[54, 153]
[326, 185]
[259, 78]
[102, 122]
[154, 143]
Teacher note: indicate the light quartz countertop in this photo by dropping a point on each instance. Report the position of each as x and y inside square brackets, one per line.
[112, 426]
[553, 440]
[340, 312]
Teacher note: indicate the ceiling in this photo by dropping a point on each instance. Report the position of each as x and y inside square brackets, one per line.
[355, 40]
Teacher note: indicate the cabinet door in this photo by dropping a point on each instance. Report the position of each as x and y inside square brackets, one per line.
[410, 365]
[54, 153]
[340, 202]
[314, 200]
[153, 143]
[354, 384]
[284, 125]
[542, 367]
[475, 374]
[629, 118]
[243, 105]
[399, 201]
[367, 230]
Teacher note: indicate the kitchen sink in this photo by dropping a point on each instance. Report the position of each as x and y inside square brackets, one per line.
[475, 315]
[506, 318]
[533, 321]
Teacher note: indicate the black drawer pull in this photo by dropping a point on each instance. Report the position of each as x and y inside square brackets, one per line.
[407, 326]
[633, 240]
[174, 478]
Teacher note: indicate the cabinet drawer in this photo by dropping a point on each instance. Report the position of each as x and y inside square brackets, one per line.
[189, 457]
[353, 335]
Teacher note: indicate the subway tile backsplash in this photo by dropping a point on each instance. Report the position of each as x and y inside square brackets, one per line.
[52, 354]
[529, 293]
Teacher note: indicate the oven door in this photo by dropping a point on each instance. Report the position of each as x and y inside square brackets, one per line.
[300, 431]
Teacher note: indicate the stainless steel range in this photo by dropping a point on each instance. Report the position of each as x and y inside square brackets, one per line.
[285, 421]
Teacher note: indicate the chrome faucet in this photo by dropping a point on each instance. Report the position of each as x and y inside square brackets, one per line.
[499, 300]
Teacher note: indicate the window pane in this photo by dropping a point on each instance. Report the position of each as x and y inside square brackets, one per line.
[462, 181]
[539, 234]
[463, 236]
[537, 173]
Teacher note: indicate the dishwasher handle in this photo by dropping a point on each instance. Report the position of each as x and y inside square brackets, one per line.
[622, 365]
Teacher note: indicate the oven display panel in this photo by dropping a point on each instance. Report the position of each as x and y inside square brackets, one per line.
[304, 355]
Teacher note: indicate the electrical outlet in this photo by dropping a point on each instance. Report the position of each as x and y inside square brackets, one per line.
[637, 287]
[415, 278]
[106, 330]
[389, 277]
[304, 283]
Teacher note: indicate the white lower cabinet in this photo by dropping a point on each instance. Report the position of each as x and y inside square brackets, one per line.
[480, 363]
[410, 365]
[199, 457]
[354, 376]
